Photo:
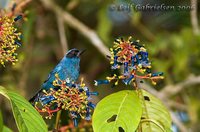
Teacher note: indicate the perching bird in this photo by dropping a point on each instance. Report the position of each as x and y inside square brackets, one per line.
[67, 68]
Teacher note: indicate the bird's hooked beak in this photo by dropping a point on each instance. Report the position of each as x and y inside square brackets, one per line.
[81, 52]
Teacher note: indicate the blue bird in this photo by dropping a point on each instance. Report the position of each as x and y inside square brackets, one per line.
[67, 69]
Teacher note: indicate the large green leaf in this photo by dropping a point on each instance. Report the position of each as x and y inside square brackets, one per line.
[155, 117]
[6, 129]
[26, 117]
[120, 111]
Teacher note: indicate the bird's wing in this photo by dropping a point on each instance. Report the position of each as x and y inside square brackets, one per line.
[46, 83]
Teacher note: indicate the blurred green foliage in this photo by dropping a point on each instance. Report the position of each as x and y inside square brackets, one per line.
[167, 35]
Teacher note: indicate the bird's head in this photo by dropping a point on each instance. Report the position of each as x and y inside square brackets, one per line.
[74, 53]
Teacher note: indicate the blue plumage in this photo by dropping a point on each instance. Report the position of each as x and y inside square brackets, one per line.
[67, 69]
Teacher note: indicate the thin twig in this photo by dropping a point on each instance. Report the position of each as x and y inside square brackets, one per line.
[72, 4]
[19, 7]
[62, 34]
[193, 17]
[176, 105]
[79, 26]
[57, 120]
[22, 5]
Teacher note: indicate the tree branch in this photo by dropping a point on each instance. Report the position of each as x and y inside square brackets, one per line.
[171, 90]
[62, 34]
[79, 26]
[194, 18]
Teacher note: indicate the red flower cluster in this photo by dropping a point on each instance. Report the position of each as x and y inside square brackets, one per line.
[132, 57]
[69, 96]
[9, 39]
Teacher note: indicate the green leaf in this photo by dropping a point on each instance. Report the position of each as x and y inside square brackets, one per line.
[155, 117]
[26, 117]
[6, 129]
[120, 111]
